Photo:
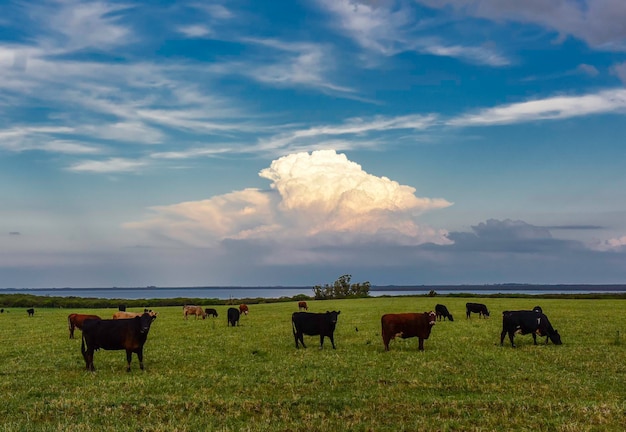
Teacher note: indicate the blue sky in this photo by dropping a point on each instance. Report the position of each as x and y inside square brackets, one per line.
[252, 143]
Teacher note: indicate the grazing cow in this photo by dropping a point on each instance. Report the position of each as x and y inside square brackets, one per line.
[193, 310]
[442, 311]
[407, 325]
[312, 324]
[303, 305]
[210, 311]
[233, 317]
[127, 315]
[525, 322]
[77, 320]
[2, 310]
[478, 308]
[125, 334]
[243, 309]
[31, 312]
[122, 308]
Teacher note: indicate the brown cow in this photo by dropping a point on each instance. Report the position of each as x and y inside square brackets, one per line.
[303, 305]
[77, 320]
[194, 310]
[407, 325]
[243, 309]
[128, 315]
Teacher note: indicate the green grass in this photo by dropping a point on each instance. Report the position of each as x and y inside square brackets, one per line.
[202, 375]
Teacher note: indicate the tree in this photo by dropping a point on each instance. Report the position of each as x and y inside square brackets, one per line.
[342, 288]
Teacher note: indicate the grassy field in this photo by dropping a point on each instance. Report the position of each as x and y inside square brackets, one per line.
[203, 375]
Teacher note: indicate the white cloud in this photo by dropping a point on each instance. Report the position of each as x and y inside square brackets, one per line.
[317, 198]
[110, 165]
[620, 70]
[614, 244]
[195, 31]
[558, 107]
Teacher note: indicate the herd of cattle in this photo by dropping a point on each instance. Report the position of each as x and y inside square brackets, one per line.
[129, 330]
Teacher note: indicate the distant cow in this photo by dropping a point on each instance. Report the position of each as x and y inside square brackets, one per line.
[128, 315]
[538, 309]
[243, 309]
[303, 305]
[125, 334]
[122, 308]
[233, 317]
[407, 325]
[31, 312]
[193, 310]
[525, 322]
[442, 311]
[210, 311]
[77, 320]
[312, 324]
[2, 310]
[478, 308]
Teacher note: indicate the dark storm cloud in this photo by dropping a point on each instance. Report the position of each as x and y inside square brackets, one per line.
[509, 236]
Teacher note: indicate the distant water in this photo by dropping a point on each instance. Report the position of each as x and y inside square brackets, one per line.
[225, 293]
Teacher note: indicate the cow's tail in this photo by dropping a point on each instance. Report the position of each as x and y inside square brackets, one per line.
[69, 323]
[293, 326]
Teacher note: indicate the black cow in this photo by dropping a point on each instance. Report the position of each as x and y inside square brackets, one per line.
[525, 322]
[312, 324]
[478, 308]
[31, 312]
[125, 334]
[210, 311]
[442, 311]
[233, 317]
[122, 308]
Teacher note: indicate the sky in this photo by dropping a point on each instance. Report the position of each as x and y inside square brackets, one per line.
[263, 143]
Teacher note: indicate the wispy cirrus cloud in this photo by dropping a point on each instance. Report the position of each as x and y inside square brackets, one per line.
[392, 27]
[600, 23]
[552, 108]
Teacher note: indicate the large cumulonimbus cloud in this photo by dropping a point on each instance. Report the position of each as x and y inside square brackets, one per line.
[315, 198]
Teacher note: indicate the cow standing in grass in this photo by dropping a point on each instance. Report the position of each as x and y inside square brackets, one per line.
[124, 334]
[478, 308]
[442, 312]
[407, 325]
[193, 310]
[233, 317]
[77, 321]
[528, 322]
[312, 324]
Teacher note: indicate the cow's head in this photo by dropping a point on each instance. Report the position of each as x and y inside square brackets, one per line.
[555, 337]
[332, 316]
[145, 321]
[432, 317]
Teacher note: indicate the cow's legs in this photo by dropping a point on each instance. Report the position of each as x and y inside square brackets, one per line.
[511, 336]
[89, 360]
[71, 332]
[535, 338]
[321, 341]
[332, 340]
[129, 357]
[421, 344]
[140, 358]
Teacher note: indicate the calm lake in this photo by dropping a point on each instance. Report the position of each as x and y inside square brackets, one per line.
[225, 293]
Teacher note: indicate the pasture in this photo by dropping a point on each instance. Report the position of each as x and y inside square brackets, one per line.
[202, 375]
